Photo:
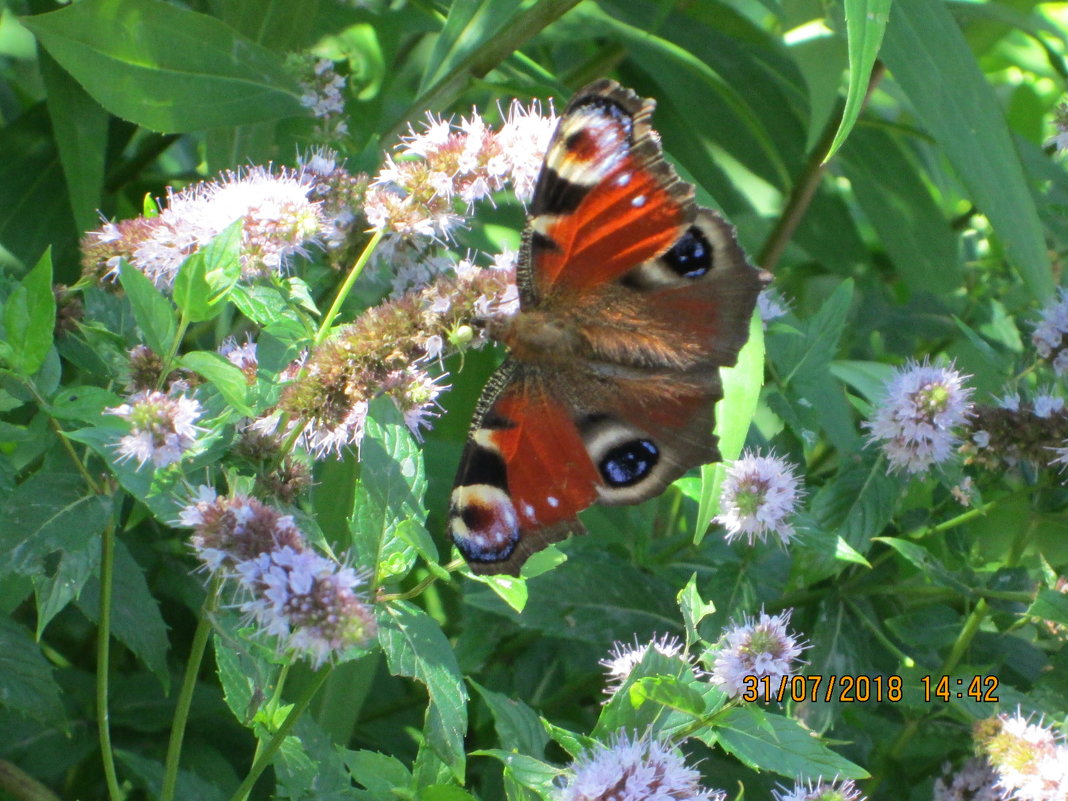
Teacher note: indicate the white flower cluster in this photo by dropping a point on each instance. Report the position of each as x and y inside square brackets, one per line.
[310, 603]
[278, 222]
[821, 790]
[162, 427]
[634, 769]
[762, 648]
[625, 657]
[916, 423]
[416, 193]
[976, 780]
[1031, 760]
[1049, 335]
[758, 497]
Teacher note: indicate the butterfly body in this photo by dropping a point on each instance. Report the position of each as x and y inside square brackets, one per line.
[631, 298]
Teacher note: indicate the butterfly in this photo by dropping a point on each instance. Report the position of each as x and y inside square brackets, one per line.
[631, 297]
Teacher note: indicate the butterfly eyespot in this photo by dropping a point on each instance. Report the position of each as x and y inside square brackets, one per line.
[691, 256]
[638, 202]
[628, 463]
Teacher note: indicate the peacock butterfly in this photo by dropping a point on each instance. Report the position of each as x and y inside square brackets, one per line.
[631, 299]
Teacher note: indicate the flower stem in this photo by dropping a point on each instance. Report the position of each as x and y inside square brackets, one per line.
[103, 661]
[267, 754]
[346, 287]
[185, 697]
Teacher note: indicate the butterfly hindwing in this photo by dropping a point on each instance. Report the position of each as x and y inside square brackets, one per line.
[631, 299]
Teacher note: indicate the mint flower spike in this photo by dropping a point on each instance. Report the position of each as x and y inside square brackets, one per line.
[916, 424]
[821, 790]
[624, 657]
[760, 647]
[975, 780]
[312, 605]
[1029, 757]
[279, 222]
[632, 768]
[1049, 335]
[162, 427]
[441, 171]
[758, 497]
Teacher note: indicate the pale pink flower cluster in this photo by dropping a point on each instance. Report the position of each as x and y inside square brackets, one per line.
[1049, 335]
[162, 427]
[758, 497]
[241, 356]
[624, 657]
[632, 768]
[1031, 759]
[820, 790]
[760, 648]
[321, 93]
[310, 603]
[444, 169]
[976, 780]
[917, 422]
[278, 222]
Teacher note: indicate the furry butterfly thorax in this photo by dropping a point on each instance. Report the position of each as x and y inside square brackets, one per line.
[631, 298]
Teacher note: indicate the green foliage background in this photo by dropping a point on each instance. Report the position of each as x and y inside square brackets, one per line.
[926, 220]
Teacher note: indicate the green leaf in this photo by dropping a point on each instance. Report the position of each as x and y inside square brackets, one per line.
[865, 25]
[85, 404]
[468, 27]
[667, 691]
[933, 64]
[389, 495]
[927, 563]
[694, 609]
[136, 621]
[765, 741]
[48, 512]
[30, 317]
[890, 188]
[65, 584]
[734, 414]
[224, 375]
[415, 646]
[859, 502]
[810, 350]
[518, 726]
[26, 683]
[173, 70]
[148, 773]
[381, 774]
[153, 312]
[1050, 605]
[206, 277]
[528, 771]
[81, 134]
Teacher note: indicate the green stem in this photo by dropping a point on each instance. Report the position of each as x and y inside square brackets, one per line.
[267, 755]
[103, 661]
[346, 287]
[965, 517]
[168, 362]
[185, 697]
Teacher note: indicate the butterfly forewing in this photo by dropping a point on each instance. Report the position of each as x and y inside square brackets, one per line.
[631, 299]
[605, 200]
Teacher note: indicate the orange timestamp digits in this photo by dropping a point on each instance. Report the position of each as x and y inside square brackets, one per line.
[861, 689]
[845, 689]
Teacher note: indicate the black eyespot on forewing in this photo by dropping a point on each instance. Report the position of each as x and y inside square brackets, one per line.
[628, 463]
[691, 256]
